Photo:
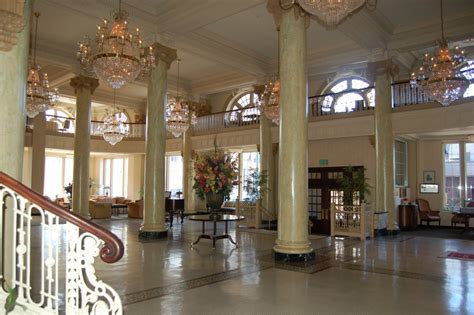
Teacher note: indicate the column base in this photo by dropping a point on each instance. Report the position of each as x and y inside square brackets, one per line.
[153, 235]
[293, 257]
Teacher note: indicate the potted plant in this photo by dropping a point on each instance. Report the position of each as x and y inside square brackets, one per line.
[255, 185]
[354, 185]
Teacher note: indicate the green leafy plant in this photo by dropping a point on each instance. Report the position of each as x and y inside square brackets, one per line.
[10, 302]
[354, 184]
[256, 185]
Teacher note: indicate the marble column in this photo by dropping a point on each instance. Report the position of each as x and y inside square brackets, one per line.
[154, 226]
[188, 172]
[266, 162]
[14, 45]
[84, 87]
[38, 148]
[293, 243]
[384, 142]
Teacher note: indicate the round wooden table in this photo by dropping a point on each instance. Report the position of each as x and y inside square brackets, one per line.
[214, 219]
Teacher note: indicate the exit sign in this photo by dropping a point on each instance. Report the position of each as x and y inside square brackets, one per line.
[323, 162]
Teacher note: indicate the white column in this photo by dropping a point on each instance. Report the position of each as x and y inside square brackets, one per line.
[38, 147]
[188, 172]
[266, 162]
[293, 243]
[154, 226]
[83, 87]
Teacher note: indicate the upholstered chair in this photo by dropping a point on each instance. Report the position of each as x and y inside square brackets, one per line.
[426, 214]
[135, 209]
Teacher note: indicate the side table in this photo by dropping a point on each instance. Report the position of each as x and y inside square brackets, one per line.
[407, 217]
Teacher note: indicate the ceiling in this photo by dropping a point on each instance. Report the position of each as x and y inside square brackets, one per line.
[227, 44]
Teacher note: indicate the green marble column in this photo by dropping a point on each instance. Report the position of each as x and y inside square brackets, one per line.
[292, 242]
[39, 147]
[188, 172]
[84, 87]
[154, 226]
[384, 143]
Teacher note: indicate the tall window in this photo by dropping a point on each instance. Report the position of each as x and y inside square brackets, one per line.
[452, 175]
[174, 174]
[347, 95]
[113, 177]
[401, 170]
[249, 162]
[59, 172]
[469, 169]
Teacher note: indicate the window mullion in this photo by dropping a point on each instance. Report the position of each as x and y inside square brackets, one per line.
[462, 150]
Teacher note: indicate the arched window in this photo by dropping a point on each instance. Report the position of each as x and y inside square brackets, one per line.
[61, 118]
[348, 94]
[469, 74]
[243, 107]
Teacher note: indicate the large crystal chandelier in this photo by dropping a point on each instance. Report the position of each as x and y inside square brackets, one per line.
[440, 76]
[115, 127]
[269, 102]
[178, 115]
[118, 57]
[39, 96]
[331, 12]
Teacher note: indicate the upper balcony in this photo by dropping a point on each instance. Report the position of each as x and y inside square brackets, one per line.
[347, 104]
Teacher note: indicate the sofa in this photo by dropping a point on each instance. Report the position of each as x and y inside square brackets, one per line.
[100, 209]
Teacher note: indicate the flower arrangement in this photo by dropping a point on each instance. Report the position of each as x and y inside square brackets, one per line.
[215, 172]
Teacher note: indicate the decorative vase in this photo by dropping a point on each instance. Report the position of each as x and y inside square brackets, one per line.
[214, 202]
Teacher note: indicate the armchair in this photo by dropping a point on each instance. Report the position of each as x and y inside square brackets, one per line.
[135, 209]
[426, 214]
[460, 219]
[100, 210]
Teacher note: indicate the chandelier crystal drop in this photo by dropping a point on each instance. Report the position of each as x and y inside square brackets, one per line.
[119, 56]
[331, 12]
[178, 115]
[440, 75]
[39, 96]
[115, 127]
[270, 101]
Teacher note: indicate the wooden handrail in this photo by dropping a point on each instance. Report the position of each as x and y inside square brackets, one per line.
[230, 111]
[94, 121]
[112, 250]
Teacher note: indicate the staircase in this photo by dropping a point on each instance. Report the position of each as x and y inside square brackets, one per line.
[48, 257]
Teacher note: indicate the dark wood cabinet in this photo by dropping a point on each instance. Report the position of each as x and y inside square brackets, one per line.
[407, 217]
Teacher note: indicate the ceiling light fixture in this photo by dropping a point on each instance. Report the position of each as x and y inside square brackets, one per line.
[440, 76]
[178, 115]
[39, 96]
[119, 56]
[115, 126]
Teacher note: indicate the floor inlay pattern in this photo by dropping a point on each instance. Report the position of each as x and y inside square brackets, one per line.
[191, 284]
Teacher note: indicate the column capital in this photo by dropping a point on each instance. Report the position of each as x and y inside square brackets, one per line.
[81, 82]
[381, 67]
[164, 54]
[11, 15]
[277, 7]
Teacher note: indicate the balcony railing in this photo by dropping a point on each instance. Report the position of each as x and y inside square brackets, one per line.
[330, 104]
[222, 121]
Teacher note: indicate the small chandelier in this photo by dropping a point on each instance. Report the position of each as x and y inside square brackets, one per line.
[440, 76]
[119, 56]
[39, 96]
[331, 12]
[115, 126]
[270, 101]
[178, 115]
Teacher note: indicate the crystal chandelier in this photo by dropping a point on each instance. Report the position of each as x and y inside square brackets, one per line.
[178, 115]
[39, 96]
[270, 101]
[331, 12]
[115, 126]
[440, 76]
[119, 56]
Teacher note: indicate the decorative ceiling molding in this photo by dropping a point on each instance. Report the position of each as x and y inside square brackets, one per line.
[424, 37]
[11, 22]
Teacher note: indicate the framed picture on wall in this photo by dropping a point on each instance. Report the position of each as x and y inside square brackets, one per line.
[429, 177]
[428, 188]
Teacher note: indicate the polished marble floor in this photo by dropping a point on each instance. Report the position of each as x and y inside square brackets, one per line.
[395, 275]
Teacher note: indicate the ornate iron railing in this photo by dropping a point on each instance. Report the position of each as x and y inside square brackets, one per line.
[356, 100]
[403, 94]
[32, 243]
[222, 121]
